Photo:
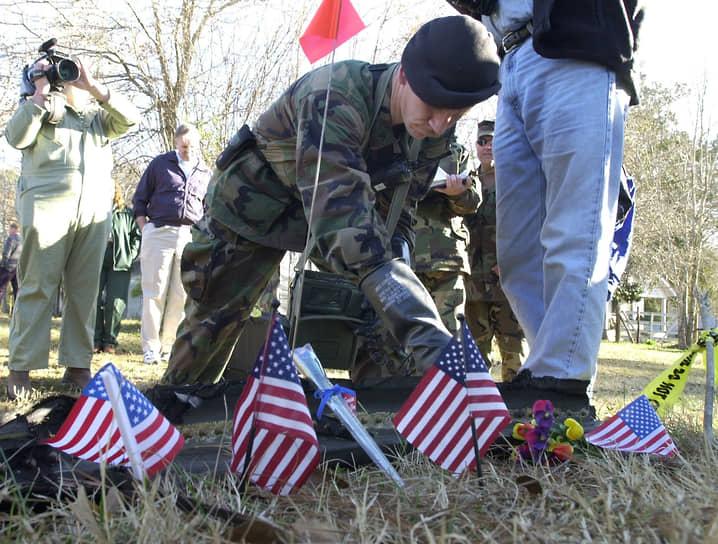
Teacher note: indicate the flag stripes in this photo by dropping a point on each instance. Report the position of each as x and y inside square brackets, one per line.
[636, 428]
[91, 430]
[486, 405]
[435, 417]
[272, 418]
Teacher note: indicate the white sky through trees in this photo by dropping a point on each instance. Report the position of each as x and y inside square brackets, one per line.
[678, 45]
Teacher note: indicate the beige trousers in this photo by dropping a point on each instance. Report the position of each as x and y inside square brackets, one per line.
[163, 296]
[64, 241]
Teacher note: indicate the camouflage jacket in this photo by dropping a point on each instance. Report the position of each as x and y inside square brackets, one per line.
[272, 208]
[482, 228]
[441, 237]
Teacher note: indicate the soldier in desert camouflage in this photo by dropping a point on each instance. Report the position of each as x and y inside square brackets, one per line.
[488, 313]
[441, 260]
[259, 201]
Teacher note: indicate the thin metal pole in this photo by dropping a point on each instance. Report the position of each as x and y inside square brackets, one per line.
[710, 394]
[474, 439]
[294, 324]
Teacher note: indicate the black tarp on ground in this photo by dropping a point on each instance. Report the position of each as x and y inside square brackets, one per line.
[28, 459]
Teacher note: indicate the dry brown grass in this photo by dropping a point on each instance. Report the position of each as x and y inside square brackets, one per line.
[604, 498]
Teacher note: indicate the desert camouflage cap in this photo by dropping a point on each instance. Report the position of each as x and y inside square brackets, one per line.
[485, 128]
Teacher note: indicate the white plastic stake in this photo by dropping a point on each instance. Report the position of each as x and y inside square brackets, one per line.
[123, 422]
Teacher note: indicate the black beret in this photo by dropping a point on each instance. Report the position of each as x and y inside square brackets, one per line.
[451, 62]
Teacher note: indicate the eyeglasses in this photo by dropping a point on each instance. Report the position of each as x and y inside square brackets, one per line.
[484, 141]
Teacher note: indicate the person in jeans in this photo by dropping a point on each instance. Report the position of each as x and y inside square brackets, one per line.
[8, 265]
[168, 200]
[123, 247]
[566, 85]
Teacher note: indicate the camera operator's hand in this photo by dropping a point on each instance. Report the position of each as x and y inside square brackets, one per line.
[88, 83]
[42, 85]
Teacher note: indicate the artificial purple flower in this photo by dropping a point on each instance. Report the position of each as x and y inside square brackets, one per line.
[537, 441]
[543, 409]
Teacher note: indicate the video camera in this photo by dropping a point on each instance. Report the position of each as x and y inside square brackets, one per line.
[63, 68]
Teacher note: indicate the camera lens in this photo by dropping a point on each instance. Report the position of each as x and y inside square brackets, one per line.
[68, 70]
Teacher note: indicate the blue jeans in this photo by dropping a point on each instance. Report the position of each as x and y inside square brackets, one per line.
[558, 150]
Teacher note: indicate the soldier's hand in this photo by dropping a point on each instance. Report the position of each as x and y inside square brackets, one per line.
[455, 185]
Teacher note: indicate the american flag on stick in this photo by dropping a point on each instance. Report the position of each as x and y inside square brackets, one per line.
[486, 405]
[435, 418]
[112, 422]
[272, 422]
[636, 429]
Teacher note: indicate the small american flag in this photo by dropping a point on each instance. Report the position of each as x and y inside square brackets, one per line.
[92, 429]
[435, 418]
[285, 449]
[636, 429]
[486, 405]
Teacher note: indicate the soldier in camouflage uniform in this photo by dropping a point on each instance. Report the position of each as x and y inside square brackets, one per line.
[488, 313]
[261, 200]
[441, 260]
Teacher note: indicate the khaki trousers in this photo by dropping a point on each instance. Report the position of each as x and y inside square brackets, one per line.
[163, 296]
[64, 240]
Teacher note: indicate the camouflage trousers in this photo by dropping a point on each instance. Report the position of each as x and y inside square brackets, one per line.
[448, 290]
[224, 276]
[494, 319]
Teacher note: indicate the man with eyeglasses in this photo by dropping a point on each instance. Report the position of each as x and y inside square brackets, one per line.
[488, 313]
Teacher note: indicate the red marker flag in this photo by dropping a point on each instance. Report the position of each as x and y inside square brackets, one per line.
[333, 24]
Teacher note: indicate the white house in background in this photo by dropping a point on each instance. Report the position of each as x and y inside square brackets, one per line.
[656, 298]
[657, 319]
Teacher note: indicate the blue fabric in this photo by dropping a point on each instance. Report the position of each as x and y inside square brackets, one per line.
[622, 237]
[558, 149]
[326, 394]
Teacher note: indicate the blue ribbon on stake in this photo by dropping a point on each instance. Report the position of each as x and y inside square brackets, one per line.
[327, 393]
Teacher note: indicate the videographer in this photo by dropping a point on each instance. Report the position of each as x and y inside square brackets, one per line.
[64, 203]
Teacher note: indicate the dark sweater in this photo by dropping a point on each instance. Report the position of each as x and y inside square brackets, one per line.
[167, 196]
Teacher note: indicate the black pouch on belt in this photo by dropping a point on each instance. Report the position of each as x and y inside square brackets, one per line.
[242, 140]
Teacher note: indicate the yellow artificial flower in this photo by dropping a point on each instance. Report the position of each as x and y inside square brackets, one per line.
[574, 430]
